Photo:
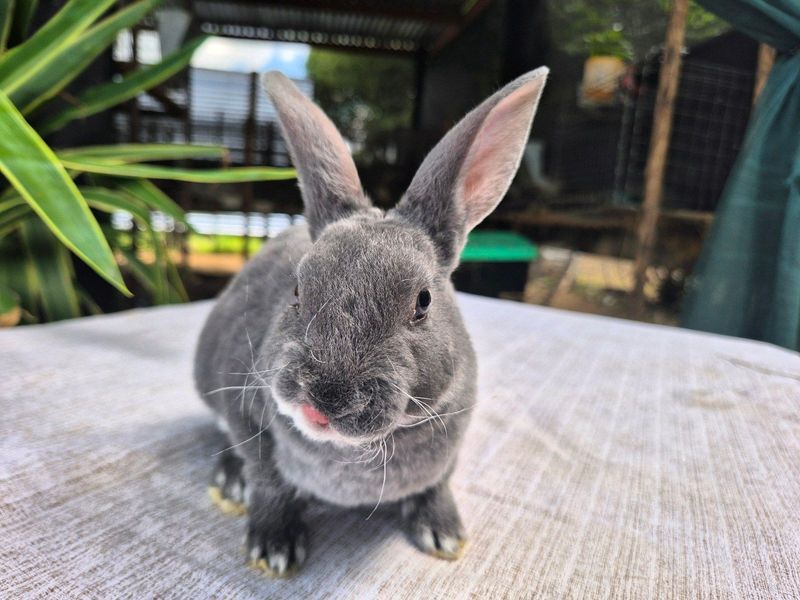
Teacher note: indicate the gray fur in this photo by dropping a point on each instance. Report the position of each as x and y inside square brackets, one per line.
[325, 170]
[431, 201]
[348, 346]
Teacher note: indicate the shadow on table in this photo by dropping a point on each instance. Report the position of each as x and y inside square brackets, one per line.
[178, 456]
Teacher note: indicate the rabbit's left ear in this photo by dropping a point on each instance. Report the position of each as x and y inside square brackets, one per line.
[469, 171]
[328, 178]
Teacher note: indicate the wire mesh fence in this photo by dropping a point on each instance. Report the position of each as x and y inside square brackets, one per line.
[599, 153]
[597, 156]
[583, 158]
[710, 118]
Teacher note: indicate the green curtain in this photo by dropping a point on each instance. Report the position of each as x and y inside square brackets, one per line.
[747, 280]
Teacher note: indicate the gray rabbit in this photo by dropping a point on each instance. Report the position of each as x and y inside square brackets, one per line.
[337, 360]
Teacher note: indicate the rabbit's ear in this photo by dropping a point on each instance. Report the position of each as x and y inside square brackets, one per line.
[326, 171]
[469, 171]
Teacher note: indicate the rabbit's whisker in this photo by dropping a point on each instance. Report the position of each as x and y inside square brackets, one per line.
[254, 372]
[393, 447]
[426, 419]
[235, 387]
[311, 352]
[308, 327]
[263, 429]
[426, 408]
[383, 485]
[252, 437]
[360, 459]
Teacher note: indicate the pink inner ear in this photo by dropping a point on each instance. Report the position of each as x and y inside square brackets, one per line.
[496, 151]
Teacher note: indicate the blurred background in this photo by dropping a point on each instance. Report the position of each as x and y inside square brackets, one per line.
[394, 76]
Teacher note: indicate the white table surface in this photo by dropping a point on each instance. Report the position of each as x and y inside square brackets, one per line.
[606, 459]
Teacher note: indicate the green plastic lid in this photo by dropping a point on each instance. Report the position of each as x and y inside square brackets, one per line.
[498, 246]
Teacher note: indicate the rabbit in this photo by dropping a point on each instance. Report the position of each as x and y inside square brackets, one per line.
[337, 361]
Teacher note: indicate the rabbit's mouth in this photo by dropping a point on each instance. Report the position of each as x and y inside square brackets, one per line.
[314, 417]
[311, 422]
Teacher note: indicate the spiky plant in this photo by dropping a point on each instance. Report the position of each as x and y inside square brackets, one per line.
[48, 195]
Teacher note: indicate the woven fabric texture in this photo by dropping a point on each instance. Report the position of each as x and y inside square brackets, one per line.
[606, 459]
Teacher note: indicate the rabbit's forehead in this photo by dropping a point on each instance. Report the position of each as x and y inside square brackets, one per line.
[368, 255]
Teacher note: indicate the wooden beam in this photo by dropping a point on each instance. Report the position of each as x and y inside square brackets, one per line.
[766, 58]
[475, 8]
[621, 217]
[382, 45]
[354, 7]
[668, 80]
[170, 107]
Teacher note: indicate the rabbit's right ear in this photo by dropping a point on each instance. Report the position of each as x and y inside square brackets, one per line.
[467, 174]
[327, 174]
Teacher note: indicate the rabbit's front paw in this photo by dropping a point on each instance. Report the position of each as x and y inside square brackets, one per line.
[433, 523]
[439, 542]
[228, 489]
[277, 549]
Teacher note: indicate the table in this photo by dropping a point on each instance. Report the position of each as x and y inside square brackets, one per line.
[606, 459]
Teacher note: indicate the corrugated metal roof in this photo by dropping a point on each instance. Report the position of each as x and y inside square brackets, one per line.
[395, 25]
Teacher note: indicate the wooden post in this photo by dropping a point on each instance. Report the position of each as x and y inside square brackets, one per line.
[420, 63]
[269, 141]
[185, 194]
[659, 146]
[134, 121]
[133, 105]
[249, 147]
[766, 58]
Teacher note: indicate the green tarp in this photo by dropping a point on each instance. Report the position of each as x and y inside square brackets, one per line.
[498, 246]
[747, 281]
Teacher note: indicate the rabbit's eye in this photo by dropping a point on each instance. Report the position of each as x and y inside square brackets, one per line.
[296, 303]
[423, 304]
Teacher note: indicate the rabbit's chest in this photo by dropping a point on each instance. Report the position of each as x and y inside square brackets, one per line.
[385, 472]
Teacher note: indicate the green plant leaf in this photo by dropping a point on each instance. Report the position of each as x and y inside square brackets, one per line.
[143, 273]
[137, 197]
[147, 192]
[74, 59]
[109, 201]
[161, 278]
[53, 270]
[32, 168]
[144, 171]
[88, 303]
[26, 62]
[9, 300]
[6, 19]
[12, 217]
[10, 199]
[16, 272]
[23, 15]
[155, 277]
[178, 292]
[159, 266]
[123, 154]
[101, 97]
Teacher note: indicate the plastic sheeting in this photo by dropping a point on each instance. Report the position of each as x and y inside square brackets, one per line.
[747, 281]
